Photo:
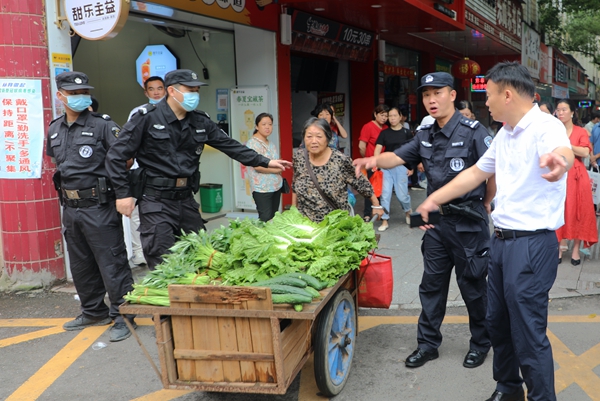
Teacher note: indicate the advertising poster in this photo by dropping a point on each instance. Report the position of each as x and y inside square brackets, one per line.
[60, 63]
[245, 104]
[21, 128]
[154, 60]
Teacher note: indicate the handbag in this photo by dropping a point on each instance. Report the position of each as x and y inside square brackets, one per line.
[376, 181]
[285, 187]
[316, 182]
[375, 281]
[595, 181]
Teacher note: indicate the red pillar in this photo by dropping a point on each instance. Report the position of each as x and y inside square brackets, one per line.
[29, 209]
[284, 93]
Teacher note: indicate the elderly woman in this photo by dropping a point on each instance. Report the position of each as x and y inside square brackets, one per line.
[331, 169]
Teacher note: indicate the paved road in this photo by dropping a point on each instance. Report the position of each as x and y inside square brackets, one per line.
[40, 361]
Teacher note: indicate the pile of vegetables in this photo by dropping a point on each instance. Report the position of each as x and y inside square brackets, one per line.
[251, 252]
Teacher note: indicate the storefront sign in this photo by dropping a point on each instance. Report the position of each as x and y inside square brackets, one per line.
[497, 30]
[445, 10]
[560, 92]
[316, 35]
[246, 103]
[154, 60]
[97, 19]
[530, 55]
[316, 26]
[545, 63]
[337, 101]
[399, 71]
[21, 128]
[478, 84]
[247, 12]
[561, 71]
[442, 65]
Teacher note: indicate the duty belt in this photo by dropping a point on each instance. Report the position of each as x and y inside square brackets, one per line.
[167, 194]
[80, 193]
[463, 209]
[180, 182]
[79, 203]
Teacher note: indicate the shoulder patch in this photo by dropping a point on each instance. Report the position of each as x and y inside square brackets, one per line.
[469, 123]
[103, 116]
[202, 113]
[115, 131]
[147, 108]
[422, 127]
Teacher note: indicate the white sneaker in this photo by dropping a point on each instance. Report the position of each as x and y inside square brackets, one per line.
[138, 258]
[408, 217]
[383, 227]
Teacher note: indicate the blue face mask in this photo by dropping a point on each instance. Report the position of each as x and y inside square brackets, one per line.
[190, 100]
[78, 103]
[154, 101]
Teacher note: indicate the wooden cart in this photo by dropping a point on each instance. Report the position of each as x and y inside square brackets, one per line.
[233, 339]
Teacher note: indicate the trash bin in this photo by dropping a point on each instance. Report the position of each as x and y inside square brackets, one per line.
[211, 197]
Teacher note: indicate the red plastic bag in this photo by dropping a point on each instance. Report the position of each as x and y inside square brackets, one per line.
[375, 282]
[377, 182]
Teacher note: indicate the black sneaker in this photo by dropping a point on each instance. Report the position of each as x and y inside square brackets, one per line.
[120, 331]
[417, 188]
[82, 321]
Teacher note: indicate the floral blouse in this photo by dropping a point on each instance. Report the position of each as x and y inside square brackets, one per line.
[334, 178]
[263, 182]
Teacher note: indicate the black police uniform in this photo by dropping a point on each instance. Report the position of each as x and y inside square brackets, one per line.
[169, 151]
[458, 240]
[93, 228]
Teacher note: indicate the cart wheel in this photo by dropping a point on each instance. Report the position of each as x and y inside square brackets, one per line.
[334, 343]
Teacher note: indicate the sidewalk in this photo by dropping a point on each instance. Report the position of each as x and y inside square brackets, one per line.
[404, 246]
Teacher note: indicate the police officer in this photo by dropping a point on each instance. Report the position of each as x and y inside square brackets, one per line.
[167, 140]
[77, 142]
[447, 147]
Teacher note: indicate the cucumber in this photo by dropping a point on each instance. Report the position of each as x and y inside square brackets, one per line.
[314, 293]
[280, 280]
[290, 299]
[308, 279]
[288, 289]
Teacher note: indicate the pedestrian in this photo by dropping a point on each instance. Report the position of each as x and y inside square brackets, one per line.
[529, 157]
[366, 144]
[593, 121]
[154, 90]
[580, 219]
[466, 109]
[266, 183]
[395, 179]
[547, 107]
[447, 147]
[167, 140]
[78, 142]
[325, 111]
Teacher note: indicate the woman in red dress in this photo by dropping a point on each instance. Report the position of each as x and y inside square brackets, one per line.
[580, 219]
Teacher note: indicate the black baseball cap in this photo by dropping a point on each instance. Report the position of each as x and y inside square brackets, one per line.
[184, 77]
[437, 80]
[72, 80]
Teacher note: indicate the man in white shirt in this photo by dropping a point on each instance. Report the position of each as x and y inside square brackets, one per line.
[529, 156]
[154, 90]
[595, 120]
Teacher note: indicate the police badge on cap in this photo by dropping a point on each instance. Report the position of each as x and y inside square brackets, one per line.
[437, 80]
[72, 81]
[184, 77]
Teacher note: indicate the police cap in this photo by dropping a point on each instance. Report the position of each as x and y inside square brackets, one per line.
[72, 80]
[437, 80]
[184, 77]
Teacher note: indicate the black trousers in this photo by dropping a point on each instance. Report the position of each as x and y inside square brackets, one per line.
[521, 274]
[98, 258]
[454, 242]
[368, 210]
[161, 221]
[267, 203]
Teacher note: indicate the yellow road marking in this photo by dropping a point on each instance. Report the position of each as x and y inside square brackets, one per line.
[576, 369]
[31, 336]
[56, 366]
[33, 322]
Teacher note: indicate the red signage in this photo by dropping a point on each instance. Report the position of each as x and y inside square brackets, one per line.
[399, 71]
[478, 84]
